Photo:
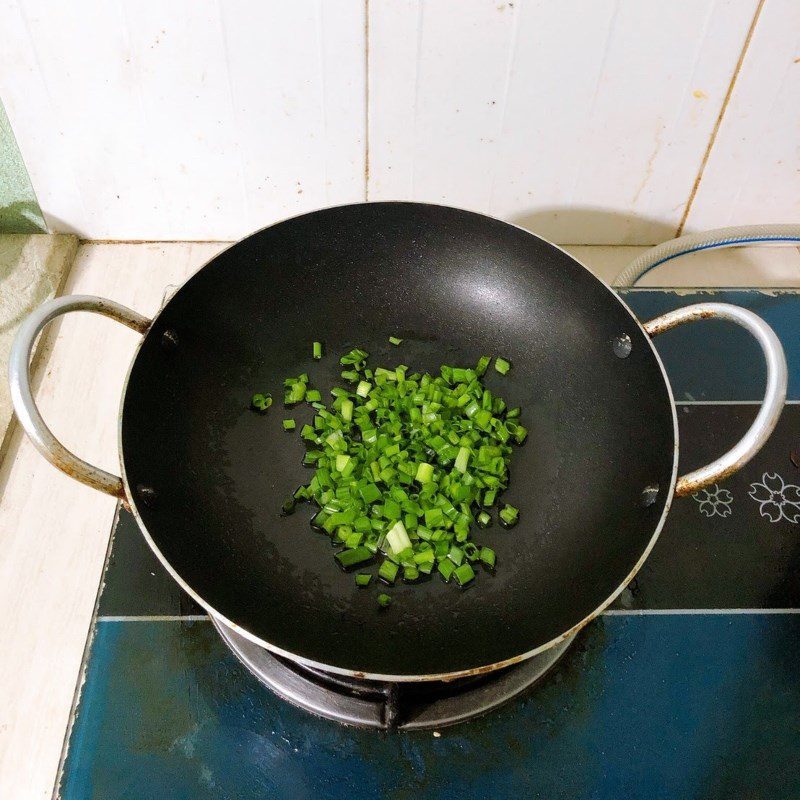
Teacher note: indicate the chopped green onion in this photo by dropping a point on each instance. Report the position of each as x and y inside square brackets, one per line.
[397, 538]
[446, 569]
[369, 493]
[482, 365]
[349, 558]
[434, 517]
[295, 391]
[509, 516]
[456, 555]
[316, 350]
[395, 341]
[261, 402]
[470, 549]
[424, 472]
[347, 410]
[464, 574]
[502, 366]
[384, 601]
[354, 357]
[406, 465]
[462, 459]
[388, 571]
[288, 506]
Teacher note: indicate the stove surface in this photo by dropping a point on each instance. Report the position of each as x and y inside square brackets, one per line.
[688, 687]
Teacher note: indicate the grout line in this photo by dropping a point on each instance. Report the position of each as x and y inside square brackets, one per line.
[666, 612]
[715, 130]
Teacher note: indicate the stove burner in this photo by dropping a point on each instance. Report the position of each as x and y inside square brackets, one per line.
[376, 704]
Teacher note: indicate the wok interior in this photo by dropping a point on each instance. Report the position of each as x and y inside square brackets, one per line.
[455, 286]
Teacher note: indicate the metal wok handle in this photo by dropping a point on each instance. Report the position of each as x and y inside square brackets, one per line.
[774, 395]
[22, 397]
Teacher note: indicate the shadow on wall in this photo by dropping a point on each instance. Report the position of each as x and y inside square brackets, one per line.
[58, 225]
[21, 217]
[576, 225]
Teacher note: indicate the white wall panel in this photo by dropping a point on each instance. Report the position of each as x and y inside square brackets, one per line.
[753, 171]
[586, 122]
[191, 119]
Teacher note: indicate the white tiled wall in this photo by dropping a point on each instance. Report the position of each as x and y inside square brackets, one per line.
[753, 171]
[589, 122]
[557, 115]
[186, 119]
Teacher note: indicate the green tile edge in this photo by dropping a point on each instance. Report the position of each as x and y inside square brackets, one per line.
[19, 208]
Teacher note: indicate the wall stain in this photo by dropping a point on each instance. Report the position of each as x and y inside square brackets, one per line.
[648, 170]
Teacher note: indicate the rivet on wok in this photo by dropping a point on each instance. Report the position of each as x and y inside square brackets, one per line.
[622, 346]
[649, 495]
[147, 494]
[794, 457]
[169, 340]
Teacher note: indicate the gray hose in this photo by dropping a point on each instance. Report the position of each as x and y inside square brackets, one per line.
[708, 240]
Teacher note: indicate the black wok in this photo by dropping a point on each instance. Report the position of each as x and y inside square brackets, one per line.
[206, 477]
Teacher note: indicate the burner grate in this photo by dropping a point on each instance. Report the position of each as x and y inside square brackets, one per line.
[391, 706]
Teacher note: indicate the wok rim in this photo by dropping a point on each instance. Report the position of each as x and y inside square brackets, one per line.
[384, 677]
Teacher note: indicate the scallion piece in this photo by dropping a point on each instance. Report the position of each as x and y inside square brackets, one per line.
[316, 350]
[261, 402]
[384, 601]
[388, 571]
[482, 365]
[464, 574]
[395, 341]
[502, 365]
[349, 558]
[397, 538]
[462, 459]
[295, 391]
[456, 555]
[347, 410]
[446, 569]
[509, 516]
[406, 465]
[369, 493]
[363, 579]
[424, 472]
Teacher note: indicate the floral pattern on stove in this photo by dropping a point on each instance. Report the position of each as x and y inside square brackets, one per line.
[714, 501]
[777, 500]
